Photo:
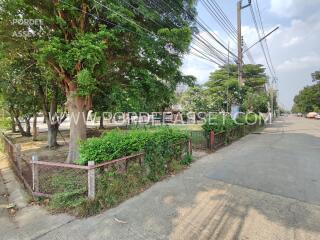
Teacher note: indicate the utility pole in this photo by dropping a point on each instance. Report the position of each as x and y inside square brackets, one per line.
[228, 76]
[240, 40]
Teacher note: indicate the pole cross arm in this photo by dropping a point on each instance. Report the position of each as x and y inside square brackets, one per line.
[245, 6]
[261, 39]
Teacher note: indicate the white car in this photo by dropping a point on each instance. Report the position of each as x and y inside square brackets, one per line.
[317, 116]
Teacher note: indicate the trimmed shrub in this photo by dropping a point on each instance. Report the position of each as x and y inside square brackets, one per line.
[250, 119]
[219, 123]
[4, 123]
[164, 156]
[117, 143]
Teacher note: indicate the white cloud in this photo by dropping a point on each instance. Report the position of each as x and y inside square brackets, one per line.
[300, 63]
[292, 41]
[294, 8]
[198, 67]
[294, 48]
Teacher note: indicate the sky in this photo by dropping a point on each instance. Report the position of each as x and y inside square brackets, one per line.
[294, 48]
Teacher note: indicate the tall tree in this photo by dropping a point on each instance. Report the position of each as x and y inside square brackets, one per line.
[92, 41]
[316, 76]
[20, 29]
[18, 93]
[308, 99]
[223, 89]
[194, 99]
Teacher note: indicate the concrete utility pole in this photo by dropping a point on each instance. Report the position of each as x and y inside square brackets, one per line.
[240, 40]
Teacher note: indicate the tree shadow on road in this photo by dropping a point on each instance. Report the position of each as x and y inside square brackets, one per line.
[275, 195]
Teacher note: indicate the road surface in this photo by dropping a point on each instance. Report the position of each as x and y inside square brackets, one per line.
[264, 186]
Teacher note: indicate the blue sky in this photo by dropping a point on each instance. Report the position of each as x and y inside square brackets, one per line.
[294, 49]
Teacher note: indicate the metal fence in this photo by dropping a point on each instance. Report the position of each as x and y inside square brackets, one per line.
[52, 177]
[219, 140]
[45, 178]
[202, 140]
[18, 162]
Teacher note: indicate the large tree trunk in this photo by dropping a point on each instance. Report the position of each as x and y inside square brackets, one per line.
[34, 127]
[21, 130]
[13, 124]
[49, 113]
[52, 135]
[101, 121]
[28, 126]
[77, 107]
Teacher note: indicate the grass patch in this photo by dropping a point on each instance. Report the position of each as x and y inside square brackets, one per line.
[112, 188]
[4, 123]
[116, 143]
[62, 180]
[165, 154]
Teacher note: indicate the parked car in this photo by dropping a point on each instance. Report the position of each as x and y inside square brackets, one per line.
[317, 116]
[312, 115]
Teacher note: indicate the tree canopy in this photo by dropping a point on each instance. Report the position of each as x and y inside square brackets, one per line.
[223, 89]
[128, 49]
[308, 100]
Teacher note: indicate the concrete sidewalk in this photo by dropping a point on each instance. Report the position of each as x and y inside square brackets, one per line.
[29, 221]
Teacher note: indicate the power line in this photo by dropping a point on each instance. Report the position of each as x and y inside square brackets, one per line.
[202, 25]
[259, 36]
[95, 17]
[266, 42]
[216, 12]
[205, 56]
[120, 15]
[199, 41]
[212, 11]
[202, 46]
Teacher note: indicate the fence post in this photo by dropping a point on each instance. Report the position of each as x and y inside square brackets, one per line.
[91, 181]
[211, 140]
[18, 157]
[35, 173]
[141, 160]
[190, 146]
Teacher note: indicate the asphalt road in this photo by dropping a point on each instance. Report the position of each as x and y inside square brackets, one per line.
[264, 186]
[283, 160]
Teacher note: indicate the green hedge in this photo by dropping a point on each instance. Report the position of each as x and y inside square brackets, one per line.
[220, 123]
[117, 143]
[249, 119]
[4, 123]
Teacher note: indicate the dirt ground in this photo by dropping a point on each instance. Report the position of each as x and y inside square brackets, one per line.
[59, 154]
[40, 147]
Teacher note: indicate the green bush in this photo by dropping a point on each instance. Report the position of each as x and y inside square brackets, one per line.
[187, 159]
[219, 123]
[162, 156]
[249, 119]
[117, 143]
[4, 123]
[113, 188]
